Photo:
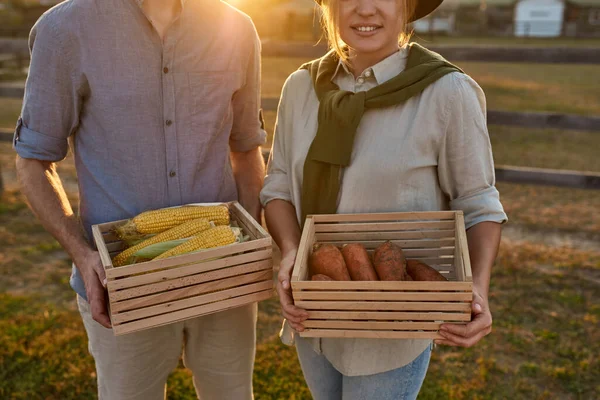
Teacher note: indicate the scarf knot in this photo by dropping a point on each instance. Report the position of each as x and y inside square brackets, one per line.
[340, 113]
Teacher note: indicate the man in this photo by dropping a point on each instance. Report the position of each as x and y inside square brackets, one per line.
[159, 101]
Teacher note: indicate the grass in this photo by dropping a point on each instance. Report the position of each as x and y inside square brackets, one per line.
[508, 86]
[551, 208]
[545, 148]
[10, 109]
[545, 344]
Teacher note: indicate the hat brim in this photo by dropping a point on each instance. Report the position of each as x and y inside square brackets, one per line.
[423, 8]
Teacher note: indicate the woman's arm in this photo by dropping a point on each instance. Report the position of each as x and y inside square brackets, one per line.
[283, 227]
[280, 213]
[483, 239]
[466, 175]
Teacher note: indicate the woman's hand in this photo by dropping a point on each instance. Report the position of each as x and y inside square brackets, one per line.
[470, 334]
[293, 314]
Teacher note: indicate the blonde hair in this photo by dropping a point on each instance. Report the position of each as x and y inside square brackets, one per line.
[330, 23]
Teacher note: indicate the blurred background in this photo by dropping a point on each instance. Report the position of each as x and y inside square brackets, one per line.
[538, 62]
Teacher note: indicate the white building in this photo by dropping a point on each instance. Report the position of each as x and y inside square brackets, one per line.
[539, 18]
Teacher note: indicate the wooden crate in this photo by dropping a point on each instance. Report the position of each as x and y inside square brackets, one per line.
[161, 292]
[394, 310]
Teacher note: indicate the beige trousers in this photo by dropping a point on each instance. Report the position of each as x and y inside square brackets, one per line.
[218, 348]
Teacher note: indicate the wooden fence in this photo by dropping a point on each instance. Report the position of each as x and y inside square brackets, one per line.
[540, 176]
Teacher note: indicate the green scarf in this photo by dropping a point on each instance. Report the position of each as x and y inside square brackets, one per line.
[340, 113]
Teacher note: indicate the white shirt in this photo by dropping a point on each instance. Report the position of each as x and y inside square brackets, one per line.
[430, 153]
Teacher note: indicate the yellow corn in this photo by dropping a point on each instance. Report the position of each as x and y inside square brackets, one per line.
[157, 221]
[213, 237]
[185, 230]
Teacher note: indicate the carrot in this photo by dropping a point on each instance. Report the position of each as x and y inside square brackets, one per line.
[321, 277]
[389, 262]
[359, 263]
[422, 272]
[328, 260]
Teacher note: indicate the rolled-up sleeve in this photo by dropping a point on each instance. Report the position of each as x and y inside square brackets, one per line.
[465, 164]
[277, 182]
[248, 131]
[53, 95]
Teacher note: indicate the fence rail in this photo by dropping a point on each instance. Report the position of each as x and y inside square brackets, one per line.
[483, 53]
[538, 120]
[504, 173]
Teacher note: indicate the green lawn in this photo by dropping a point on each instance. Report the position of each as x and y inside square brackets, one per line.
[10, 109]
[545, 343]
[572, 89]
[545, 148]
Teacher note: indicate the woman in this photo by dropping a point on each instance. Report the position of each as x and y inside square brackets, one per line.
[378, 125]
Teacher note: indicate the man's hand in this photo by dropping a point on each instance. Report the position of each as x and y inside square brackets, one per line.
[293, 314]
[94, 279]
[470, 334]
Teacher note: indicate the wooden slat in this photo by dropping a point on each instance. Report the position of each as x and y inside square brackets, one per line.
[389, 315]
[382, 226]
[340, 333]
[382, 305]
[198, 258]
[190, 280]
[544, 120]
[373, 325]
[404, 244]
[436, 262]
[115, 247]
[300, 271]
[109, 237]
[191, 312]
[378, 217]
[104, 256]
[488, 53]
[458, 255]
[188, 291]
[381, 296]
[464, 247]
[190, 302]
[548, 177]
[447, 251]
[380, 285]
[249, 220]
[383, 235]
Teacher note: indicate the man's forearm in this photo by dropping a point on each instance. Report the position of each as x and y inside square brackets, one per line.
[47, 199]
[249, 173]
[484, 240]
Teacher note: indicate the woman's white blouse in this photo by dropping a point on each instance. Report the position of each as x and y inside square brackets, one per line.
[430, 153]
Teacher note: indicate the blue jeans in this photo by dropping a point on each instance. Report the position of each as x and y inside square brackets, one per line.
[327, 383]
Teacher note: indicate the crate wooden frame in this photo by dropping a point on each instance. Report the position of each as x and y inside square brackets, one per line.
[392, 310]
[174, 289]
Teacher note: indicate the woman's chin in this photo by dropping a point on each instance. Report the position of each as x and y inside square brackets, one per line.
[363, 47]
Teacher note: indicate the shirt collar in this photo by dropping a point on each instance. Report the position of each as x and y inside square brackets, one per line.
[141, 2]
[384, 70]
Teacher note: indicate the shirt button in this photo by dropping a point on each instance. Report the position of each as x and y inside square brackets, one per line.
[165, 70]
[172, 174]
[368, 73]
[168, 122]
[360, 81]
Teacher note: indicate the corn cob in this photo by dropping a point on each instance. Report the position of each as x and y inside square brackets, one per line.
[213, 237]
[157, 221]
[185, 230]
